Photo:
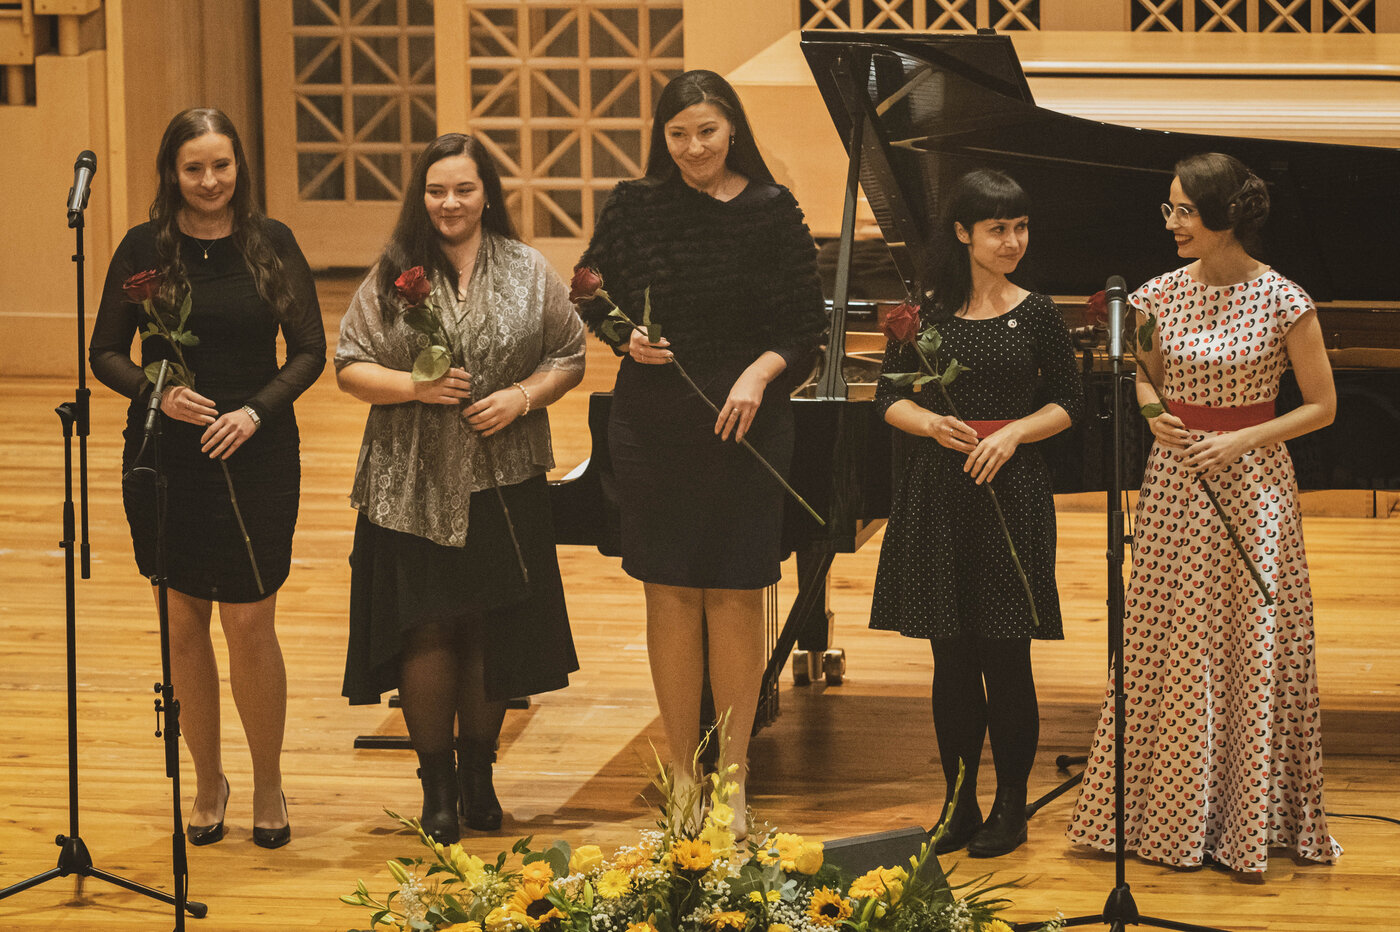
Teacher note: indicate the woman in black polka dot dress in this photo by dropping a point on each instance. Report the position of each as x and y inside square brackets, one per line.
[1222, 749]
[946, 573]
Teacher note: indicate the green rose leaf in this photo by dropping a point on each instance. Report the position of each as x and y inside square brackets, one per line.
[184, 337]
[1152, 410]
[902, 379]
[952, 372]
[431, 364]
[653, 330]
[1145, 331]
[185, 306]
[152, 371]
[930, 341]
[923, 380]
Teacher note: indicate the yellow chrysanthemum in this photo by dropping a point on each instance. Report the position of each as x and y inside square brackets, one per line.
[530, 905]
[692, 854]
[780, 927]
[771, 896]
[996, 925]
[828, 907]
[886, 883]
[729, 919]
[586, 858]
[613, 884]
[462, 927]
[641, 927]
[538, 871]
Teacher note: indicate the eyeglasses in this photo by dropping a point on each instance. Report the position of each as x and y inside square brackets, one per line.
[1182, 212]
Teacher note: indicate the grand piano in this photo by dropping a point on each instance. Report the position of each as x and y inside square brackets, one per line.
[916, 111]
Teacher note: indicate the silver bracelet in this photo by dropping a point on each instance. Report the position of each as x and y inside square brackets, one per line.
[252, 415]
[524, 391]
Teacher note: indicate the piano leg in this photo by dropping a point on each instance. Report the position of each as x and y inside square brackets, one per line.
[809, 618]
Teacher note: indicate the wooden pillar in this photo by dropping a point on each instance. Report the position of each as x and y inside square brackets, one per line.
[15, 85]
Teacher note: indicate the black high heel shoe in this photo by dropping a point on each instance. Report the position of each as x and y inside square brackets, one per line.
[274, 837]
[208, 834]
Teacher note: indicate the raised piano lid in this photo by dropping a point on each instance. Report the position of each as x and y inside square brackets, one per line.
[936, 106]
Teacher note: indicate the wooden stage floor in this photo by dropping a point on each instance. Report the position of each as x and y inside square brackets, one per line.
[840, 761]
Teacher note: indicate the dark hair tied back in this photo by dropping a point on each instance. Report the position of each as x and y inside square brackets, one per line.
[1227, 194]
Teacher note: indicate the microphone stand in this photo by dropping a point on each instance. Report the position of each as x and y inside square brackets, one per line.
[73, 857]
[1119, 910]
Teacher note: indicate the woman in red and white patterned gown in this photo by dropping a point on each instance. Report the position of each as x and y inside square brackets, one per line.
[1222, 750]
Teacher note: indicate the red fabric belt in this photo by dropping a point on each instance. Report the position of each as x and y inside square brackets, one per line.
[1205, 417]
[986, 428]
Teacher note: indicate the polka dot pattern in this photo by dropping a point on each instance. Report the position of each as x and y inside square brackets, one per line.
[1222, 749]
[944, 564]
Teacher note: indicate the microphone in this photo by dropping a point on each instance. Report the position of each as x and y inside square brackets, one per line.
[1116, 296]
[83, 170]
[153, 407]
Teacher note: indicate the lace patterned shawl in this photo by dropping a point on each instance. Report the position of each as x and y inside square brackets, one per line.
[419, 463]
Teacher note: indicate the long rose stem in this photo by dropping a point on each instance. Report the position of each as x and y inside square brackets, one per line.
[996, 505]
[1210, 494]
[223, 465]
[500, 496]
[744, 443]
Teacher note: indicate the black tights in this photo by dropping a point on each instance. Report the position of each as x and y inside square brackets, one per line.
[443, 678]
[981, 686]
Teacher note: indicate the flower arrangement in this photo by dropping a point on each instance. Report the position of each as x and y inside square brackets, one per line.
[168, 324]
[587, 285]
[901, 326]
[690, 874]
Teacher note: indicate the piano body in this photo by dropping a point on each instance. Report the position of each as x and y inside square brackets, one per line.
[918, 110]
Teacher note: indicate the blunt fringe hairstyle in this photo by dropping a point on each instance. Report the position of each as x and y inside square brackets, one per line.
[703, 87]
[415, 239]
[983, 194]
[1228, 196]
[249, 236]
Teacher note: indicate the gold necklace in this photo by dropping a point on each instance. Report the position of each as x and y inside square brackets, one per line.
[205, 247]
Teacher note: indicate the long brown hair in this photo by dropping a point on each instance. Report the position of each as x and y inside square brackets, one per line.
[415, 239]
[249, 236]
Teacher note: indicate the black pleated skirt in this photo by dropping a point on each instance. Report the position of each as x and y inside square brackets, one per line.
[399, 581]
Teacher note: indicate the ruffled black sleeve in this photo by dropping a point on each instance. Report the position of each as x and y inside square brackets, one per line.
[801, 320]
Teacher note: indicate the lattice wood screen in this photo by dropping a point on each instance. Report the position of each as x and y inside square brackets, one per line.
[561, 93]
[920, 15]
[1320, 16]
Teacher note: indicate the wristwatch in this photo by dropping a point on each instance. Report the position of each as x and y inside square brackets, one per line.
[253, 415]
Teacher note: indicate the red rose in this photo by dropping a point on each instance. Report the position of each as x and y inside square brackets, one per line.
[143, 285]
[585, 285]
[902, 323]
[1096, 310]
[413, 286]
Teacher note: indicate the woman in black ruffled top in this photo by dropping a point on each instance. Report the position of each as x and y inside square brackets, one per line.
[247, 280]
[732, 275]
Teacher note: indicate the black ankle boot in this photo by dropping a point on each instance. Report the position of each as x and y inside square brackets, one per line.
[962, 824]
[438, 775]
[1005, 828]
[480, 807]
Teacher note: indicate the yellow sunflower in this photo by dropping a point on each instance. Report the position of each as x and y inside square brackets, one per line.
[613, 884]
[729, 919]
[692, 854]
[530, 905]
[642, 926]
[780, 927]
[828, 907]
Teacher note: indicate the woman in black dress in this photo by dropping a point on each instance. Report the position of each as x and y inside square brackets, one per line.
[451, 479]
[732, 275]
[946, 573]
[246, 279]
